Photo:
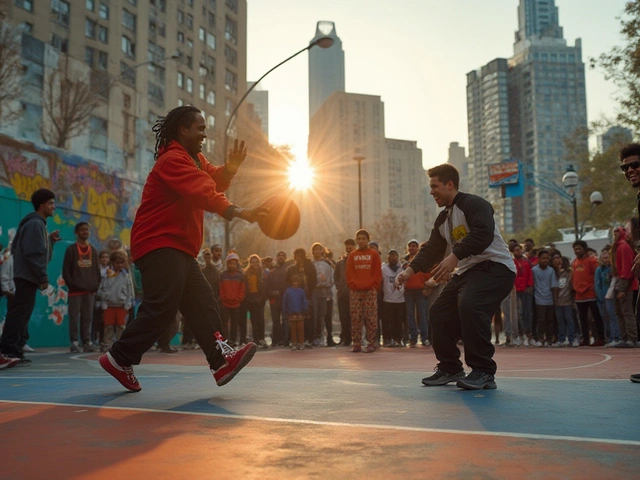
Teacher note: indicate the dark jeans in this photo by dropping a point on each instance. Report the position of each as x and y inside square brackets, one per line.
[328, 321]
[278, 333]
[256, 312]
[464, 310]
[583, 313]
[544, 318]
[172, 281]
[81, 311]
[18, 315]
[392, 320]
[230, 321]
[97, 328]
[416, 301]
[345, 319]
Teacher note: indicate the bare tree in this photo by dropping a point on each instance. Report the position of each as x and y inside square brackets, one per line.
[10, 67]
[390, 231]
[69, 99]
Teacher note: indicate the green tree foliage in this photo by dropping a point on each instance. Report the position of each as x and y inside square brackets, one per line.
[622, 65]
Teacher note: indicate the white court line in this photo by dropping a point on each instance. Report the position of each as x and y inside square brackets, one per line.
[606, 359]
[531, 436]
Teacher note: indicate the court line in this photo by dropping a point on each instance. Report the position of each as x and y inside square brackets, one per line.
[606, 359]
[530, 436]
[51, 377]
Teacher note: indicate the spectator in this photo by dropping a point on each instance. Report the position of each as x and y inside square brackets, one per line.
[340, 279]
[416, 299]
[564, 302]
[97, 327]
[621, 269]
[606, 298]
[583, 280]
[545, 290]
[81, 274]
[32, 248]
[308, 277]
[294, 306]
[255, 279]
[524, 291]
[276, 285]
[530, 252]
[232, 291]
[393, 302]
[321, 295]
[116, 296]
[216, 257]
[364, 277]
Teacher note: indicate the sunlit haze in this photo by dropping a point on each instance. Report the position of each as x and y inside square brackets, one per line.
[300, 174]
[415, 54]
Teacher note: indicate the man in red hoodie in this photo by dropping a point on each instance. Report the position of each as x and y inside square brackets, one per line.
[364, 277]
[166, 238]
[626, 283]
[583, 280]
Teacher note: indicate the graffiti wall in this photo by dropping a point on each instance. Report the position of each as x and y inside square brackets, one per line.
[84, 192]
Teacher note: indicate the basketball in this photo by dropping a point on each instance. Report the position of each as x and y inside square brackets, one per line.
[283, 219]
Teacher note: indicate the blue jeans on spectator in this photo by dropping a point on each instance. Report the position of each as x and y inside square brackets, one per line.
[611, 327]
[415, 299]
[526, 303]
[564, 315]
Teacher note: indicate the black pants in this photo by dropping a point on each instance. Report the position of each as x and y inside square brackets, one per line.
[172, 281]
[583, 313]
[392, 318]
[18, 315]
[544, 316]
[328, 320]
[164, 342]
[345, 319]
[276, 319]
[230, 321]
[256, 312]
[464, 310]
[97, 328]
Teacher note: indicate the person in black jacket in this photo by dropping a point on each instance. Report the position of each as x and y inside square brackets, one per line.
[480, 274]
[32, 248]
[81, 274]
[308, 276]
[276, 285]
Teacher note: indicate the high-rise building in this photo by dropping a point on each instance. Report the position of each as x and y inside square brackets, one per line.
[538, 102]
[326, 67]
[458, 158]
[152, 55]
[614, 136]
[260, 101]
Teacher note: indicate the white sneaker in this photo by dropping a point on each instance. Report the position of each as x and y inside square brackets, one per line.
[27, 348]
[557, 345]
[566, 343]
[517, 342]
[611, 344]
[536, 344]
[525, 343]
[576, 343]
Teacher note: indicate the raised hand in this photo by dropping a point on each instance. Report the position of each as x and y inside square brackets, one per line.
[235, 158]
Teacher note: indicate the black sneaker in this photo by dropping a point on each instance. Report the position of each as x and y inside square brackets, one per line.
[24, 362]
[635, 378]
[441, 378]
[477, 380]
[74, 348]
[169, 350]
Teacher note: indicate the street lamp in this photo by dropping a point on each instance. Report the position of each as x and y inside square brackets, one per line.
[322, 42]
[570, 181]
[359, 159]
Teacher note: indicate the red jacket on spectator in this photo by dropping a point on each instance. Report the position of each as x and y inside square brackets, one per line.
[583, 278]
[524, 277]
[624, 256]
[364, 270]
[232, 289]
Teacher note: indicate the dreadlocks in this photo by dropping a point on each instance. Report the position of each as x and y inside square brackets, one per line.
[166, 128]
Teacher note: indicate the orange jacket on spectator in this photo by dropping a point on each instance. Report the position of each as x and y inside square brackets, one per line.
[181, 193]
[364, 270]
[583, 277]
[231, 289]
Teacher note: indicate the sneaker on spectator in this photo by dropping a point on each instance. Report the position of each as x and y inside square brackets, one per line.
[566, 343]
[477, 380]
[356, 348]
[536, 344]
[87, 348]
[8, 362]
[74, 348]
[557, 345]
[517, 342]
[635, 378]
[27, 349]
[122, 374]
[525, 343]
[623, 344]
[426, 343]
[293, 346]
[308, 345]
[611, 344]
[576, 342]
[442, 378]
[413, 343]
[235, 360]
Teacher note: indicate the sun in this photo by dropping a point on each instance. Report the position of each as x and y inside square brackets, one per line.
[300, 175]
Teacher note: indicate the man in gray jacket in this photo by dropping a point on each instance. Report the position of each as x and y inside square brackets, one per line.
[31, 250]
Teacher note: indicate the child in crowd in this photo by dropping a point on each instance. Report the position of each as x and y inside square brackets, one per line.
[97, 329]
[116, 298]
[545, 288]
[564, 302]
[294, 306]
[231, 297]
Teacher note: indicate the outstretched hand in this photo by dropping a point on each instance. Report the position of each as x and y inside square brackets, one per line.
[235, 158]
[254, 214]
[444, 269]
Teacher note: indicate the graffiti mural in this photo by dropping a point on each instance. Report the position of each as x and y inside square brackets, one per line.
[84, 192]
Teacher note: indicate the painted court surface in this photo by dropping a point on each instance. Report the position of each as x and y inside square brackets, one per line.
[325, 413]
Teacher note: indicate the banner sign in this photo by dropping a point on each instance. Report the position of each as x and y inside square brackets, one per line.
[505, 173]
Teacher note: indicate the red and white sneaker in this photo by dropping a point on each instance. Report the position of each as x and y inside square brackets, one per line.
[236, 360]
[123, 374]
[8, 362]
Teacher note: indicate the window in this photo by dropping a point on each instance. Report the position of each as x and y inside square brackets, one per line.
[202, 91]
[211, 145]
[180, 80]
[127, 74]
[180, 102]
[190, 3]
[60, 10]
[90, 28]
[189, 21]
[211, 41]
[231, 55]
[59, 43]
[189, 62]
[156, 94]
[228, 107]
[180, 37]
[190, 85]
[211, 121]
[232, 5]
[89, 56]
[202, 34]
[104, 11]
[162, 28]
[133, 2]
[230, 81]
[212, 20]
[180, 16]
[128, 47]
[128, 20]
[25, 4]
[102, 60]
[126, 100]
[26, 27]
[160, 4]
[98, 139]
[212, 5]
[230, 31]
[211, 97]
[210, 65]
[103, 34]
[189, 44]
[90, 4]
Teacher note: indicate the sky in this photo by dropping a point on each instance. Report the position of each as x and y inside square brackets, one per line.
[415, 54]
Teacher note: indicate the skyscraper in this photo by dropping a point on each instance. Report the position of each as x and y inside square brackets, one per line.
[260, 100]
[326, 67]
[539, 102]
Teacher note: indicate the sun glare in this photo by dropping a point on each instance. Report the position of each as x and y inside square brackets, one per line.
[300, 175]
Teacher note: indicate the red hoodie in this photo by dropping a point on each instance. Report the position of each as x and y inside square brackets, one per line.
[583, 278]
[524, 277]
[174, 198]
[364, 269]
[624, 260]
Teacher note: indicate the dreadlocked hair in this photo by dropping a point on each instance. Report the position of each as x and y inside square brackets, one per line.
[166, 128]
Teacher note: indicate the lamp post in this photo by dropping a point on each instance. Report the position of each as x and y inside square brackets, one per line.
[570, 181]
[322, 42]
[359, 159]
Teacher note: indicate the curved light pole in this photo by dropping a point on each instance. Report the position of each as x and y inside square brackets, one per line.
[322, 42]
[359, 158]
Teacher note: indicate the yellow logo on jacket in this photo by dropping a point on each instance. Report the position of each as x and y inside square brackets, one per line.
[458, 233]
